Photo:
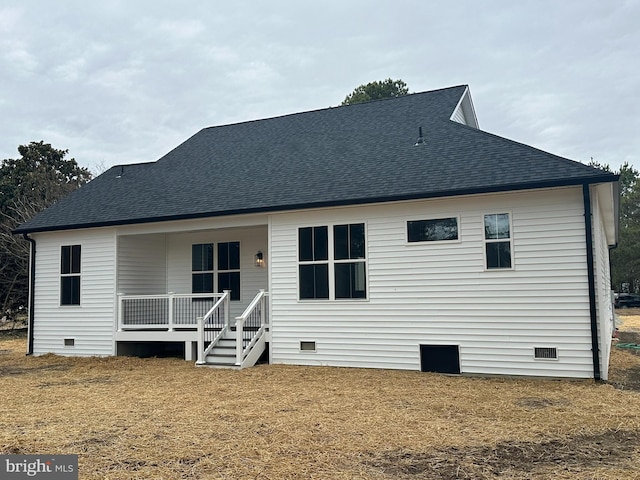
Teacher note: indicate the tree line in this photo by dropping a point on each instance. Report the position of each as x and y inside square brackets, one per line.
[41, 176]
[625, 258]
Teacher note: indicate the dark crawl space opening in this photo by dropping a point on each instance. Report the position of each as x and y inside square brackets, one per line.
[440, 358]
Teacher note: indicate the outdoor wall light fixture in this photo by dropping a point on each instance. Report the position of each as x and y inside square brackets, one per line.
[260, 260]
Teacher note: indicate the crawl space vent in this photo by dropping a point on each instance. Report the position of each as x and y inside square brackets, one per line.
[546, 353]
[69, 342]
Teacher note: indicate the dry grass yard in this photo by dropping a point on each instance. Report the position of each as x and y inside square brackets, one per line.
[132, 418]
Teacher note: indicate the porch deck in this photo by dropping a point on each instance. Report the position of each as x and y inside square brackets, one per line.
[201, 321]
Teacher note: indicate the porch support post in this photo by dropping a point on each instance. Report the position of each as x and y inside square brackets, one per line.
[200, 360]
[120, 311]
[239, 346]
[188, 351]
[171, 311]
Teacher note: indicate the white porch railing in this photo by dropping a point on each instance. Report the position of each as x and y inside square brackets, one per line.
[213, 326]
[164, 312]
[251, 327]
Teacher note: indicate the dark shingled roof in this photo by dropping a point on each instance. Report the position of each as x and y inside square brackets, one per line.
[354, 154]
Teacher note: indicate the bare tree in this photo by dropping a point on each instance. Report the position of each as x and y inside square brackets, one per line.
[29, 184]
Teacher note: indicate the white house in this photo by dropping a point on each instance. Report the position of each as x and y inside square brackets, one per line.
[390, 234]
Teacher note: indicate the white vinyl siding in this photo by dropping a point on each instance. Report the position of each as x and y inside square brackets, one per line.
[89, 324]
[252, 278]
[603, 286]
[441, 293]
[142, 265]
[458, 115]
[464, 112]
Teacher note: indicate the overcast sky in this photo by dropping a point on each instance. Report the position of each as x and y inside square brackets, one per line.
[127, 81]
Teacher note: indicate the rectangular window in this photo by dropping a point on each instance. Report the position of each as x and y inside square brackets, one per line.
[313, 244]
[313, 255]
[202, 268]
[229, 268]
[349, 275]
[498, 241]
[70, 275]
[346, 265]
[436, 230]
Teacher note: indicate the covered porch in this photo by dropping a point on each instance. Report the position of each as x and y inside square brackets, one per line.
[199, 287]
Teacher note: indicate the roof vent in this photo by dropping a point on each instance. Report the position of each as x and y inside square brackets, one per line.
[420, 140]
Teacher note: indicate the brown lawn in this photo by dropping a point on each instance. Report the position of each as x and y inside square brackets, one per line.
[132, 418]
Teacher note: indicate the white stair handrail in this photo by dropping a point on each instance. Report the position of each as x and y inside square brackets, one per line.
[259, 300]
[202, 321]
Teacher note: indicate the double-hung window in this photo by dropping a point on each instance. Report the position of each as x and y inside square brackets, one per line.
[313, 255]
[70, 275]
[498, 241]
[332, 265]
[227, 274]
[349, 261]
[229, 268]
[202, 268]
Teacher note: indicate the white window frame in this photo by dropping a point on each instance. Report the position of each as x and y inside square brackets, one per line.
[218, 271]
[435, 242]
[332, 262]
[70, 274]
[199, 272]
[498, 240]
[215, 270]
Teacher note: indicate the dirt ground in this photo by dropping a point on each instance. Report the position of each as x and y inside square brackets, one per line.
[130, 418]
[628, 333]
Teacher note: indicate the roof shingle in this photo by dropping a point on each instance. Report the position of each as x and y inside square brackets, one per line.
[354, 154]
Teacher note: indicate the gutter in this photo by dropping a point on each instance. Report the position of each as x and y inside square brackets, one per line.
[595, 349]
[266, 209]
[32, 283]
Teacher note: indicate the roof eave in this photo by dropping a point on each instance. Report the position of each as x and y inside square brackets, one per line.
[605, 178]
